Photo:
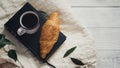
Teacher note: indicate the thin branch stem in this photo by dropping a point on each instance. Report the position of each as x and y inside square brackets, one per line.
[20, 64]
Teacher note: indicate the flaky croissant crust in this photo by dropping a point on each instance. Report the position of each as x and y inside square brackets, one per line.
[49, 34]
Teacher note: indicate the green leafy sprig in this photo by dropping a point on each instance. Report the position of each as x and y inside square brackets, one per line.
[77, 62]
[69, 52]
[11, 53]
[3, 42]
[74, 60]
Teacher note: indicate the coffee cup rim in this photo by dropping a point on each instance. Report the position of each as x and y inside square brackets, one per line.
[32, 12]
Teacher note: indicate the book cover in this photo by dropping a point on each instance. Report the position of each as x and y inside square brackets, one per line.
[31, 41]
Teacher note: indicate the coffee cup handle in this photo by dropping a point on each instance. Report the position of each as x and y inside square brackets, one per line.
[21, 31]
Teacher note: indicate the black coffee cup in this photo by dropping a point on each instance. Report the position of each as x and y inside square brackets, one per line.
[29, 22]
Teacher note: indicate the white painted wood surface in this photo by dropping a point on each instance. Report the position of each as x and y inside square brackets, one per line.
[102, 18]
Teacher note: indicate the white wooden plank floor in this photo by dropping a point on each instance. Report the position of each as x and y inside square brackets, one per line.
[102, 18]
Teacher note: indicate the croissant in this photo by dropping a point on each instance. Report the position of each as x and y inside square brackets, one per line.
[49, 34]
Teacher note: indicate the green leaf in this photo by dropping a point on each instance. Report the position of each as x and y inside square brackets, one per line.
[2, 45]
[69, 52]
[12, 54]
[77, 62]
[6, 41]
[2, 37]
[44, 14]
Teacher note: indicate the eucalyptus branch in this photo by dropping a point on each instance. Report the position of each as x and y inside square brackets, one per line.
[11, 53]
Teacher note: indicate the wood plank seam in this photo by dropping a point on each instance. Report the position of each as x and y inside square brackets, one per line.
[95, 6]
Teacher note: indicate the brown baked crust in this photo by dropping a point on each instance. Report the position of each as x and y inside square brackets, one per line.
[49, 34]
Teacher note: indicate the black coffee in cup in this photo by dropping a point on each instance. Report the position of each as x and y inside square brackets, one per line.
[29, 23]
[29, 20]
